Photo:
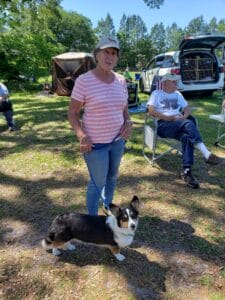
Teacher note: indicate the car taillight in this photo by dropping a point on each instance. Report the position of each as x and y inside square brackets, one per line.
[222, 69]
[175, 71]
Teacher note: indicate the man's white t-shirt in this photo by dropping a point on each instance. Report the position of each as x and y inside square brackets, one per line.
[3, 90]
[169, 104]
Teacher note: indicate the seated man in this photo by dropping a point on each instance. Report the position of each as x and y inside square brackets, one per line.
[172, 111]
[6, 106]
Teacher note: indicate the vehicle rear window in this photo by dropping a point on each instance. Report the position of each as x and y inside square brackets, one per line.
[168, 62]
[159, 61]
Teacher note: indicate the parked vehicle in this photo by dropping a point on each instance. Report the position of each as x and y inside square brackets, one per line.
[195, 62]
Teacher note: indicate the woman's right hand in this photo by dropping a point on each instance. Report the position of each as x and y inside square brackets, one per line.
[85, 144]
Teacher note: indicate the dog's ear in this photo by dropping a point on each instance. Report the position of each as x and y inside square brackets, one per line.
[114, 209]
[135, 203]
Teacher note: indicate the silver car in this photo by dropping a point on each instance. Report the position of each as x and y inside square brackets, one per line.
[195, 62]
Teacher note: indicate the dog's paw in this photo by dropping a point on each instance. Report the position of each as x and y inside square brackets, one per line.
[70, 246]
[120, 256]
[56, 251]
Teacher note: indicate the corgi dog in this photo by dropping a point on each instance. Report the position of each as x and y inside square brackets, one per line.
[115, 230]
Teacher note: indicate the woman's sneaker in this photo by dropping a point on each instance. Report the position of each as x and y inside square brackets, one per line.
[189, 179]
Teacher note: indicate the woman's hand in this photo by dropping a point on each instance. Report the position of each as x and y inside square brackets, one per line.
[174, 118]
[178, 117]
[126, 129]
[85, 144]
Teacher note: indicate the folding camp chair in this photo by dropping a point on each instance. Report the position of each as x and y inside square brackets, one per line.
[157, 145]
[153, 142]
[221, 125]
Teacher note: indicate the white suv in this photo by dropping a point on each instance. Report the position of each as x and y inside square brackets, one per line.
[196, 63]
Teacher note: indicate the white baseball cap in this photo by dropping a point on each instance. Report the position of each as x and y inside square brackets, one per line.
[169, 76]
[108, 42]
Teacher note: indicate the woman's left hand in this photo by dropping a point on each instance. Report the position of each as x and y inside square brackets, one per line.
[126, 129]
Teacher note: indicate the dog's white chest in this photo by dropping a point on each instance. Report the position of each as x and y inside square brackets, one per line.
[123, 240]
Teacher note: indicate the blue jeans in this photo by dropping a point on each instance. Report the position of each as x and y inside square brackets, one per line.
[103, 164]
[9, 117]
[184, 131]
[7, 110]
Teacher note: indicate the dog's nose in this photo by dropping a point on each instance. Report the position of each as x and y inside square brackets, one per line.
[133, 226]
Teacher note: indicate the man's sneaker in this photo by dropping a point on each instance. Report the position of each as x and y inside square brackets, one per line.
[215, 160]
[12, 128]
[190, 180]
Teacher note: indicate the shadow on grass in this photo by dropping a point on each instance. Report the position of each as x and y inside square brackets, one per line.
[175, 236]
[15, 286]
[34, 207]
[201, 170]
[145, 279]
[42, 125]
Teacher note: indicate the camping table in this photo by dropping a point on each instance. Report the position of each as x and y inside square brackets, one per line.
[220, 135]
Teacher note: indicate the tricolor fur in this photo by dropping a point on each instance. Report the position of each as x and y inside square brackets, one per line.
[115, 231]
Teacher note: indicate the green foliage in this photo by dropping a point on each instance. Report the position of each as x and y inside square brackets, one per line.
[132, 34]
[73, 31]
[174, 35]
[154, 3]
[144, 51]
[212, 26]
[105, 27]
[34, 31]
[221, 26]
[27, 42]
[197, 25]
[133, 28]
[158, 35]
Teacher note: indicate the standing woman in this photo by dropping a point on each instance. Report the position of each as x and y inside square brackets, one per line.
[105, 124]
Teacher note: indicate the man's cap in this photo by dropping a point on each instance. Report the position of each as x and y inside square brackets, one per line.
[169, 76]
[108, 42]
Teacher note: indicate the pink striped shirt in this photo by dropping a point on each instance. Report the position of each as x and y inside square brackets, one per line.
[103, 105]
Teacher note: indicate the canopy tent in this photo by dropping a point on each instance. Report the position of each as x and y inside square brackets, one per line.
[66, 68]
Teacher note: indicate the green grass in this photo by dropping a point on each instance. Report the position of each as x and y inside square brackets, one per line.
[178, 252]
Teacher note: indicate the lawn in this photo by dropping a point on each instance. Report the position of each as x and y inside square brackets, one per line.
[179, 249]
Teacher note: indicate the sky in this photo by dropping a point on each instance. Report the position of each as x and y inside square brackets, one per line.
[179, 11]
